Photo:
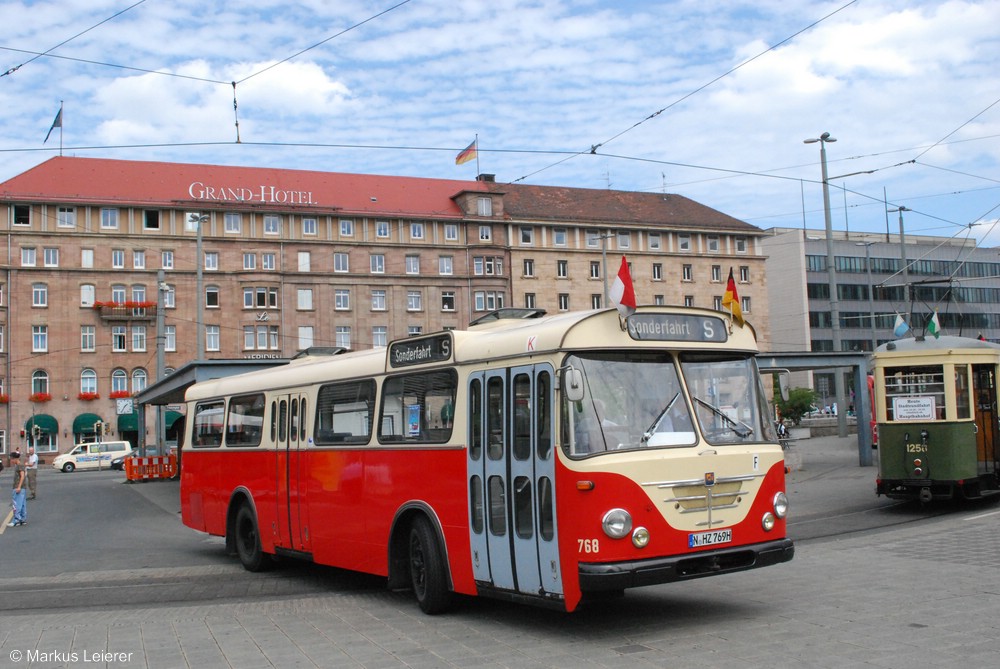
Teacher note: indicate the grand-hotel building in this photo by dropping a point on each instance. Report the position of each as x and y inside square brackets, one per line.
[101, 266]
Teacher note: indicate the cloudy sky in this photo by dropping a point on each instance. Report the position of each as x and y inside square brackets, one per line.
[710, 99]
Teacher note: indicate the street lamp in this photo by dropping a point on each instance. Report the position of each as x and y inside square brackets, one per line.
[199, 220]
[871, 288]
[831, 270]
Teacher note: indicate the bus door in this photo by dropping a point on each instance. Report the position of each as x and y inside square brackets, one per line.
[987, 433]
[288, 431]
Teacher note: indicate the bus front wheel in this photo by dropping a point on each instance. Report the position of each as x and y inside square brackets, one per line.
[248, 541]
[427, 569]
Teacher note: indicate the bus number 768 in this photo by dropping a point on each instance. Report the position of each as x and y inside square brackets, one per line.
[589, 545]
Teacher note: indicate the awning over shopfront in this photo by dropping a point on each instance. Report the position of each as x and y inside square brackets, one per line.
[170, 417]
[84, 423]
[128, 422]
[44, 421]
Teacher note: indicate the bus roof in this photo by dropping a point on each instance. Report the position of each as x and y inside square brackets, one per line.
[504, 339]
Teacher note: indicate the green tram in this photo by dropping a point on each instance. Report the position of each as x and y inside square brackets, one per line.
[936, 413]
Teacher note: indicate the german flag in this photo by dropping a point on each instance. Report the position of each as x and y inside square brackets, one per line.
[471, 152]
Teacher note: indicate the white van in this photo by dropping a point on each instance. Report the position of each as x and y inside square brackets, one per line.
[95, 455]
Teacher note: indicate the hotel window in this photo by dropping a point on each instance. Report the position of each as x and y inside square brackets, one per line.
[50, 257]
[118, 294]
[378, 300]
[563, 301]
[341, 263]
[654, 241]
[658, 299]
[309, 227]
[741, 244]
[87, 258]
[380, 337]
[109, 219]
[593, 238]
[272, 224]
[212, 297]
[382, 229]
[170, 337]
[233, 223]
[305, 299]
[595, 301]
[377, 263]
[484, 207]
[595, 270]
[87, 295]
[413, 330]
[66, 217]
[119, 381]
[260, 337]
[305, 261]
[139, 380]
[416, 230]
[657, 271]
[346, 227]
[716, 273]
[485, 233]
[562, 269]
[213, 340]
[138, 337]
[138, 295]
[267, 261]
[88, 338]
[167, 259]
[344, 336]
[746, 304]
[138, 260]
[118, 338]
[413, 264]
[342, 299]
[624, 239]
[212, 260]
[305, 337]
[684, 242]
[686, 273]
[527, 235]
[39, 295]
[717, 303]
[28, 257]
[446, 265]
[260, 297]
[414, 300]
[450, 232]
[559, 236]
[117, 259]
[529, 267]
[744, 274]
[151, 219]
[170, 297]
[529, 300]
[249, 261]
[448, 300]
[488, 300]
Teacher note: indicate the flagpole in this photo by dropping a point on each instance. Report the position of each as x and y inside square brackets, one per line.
[60, 129]
[478, 172]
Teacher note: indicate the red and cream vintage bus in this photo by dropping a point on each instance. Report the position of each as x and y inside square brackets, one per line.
[539, 459]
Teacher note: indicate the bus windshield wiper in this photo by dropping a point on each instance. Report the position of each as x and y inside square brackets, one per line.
[656, 423]
[734, 425]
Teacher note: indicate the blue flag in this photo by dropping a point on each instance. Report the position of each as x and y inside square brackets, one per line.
[900, 328]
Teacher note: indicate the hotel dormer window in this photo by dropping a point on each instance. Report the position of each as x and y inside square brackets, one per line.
[484, 206]
[684, 242]
[233, 223]
[66, 217]
[109, 219]
[272, 224]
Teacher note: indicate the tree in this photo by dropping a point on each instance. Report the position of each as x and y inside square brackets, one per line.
[800, 402]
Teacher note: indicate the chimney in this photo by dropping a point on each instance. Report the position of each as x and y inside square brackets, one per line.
[488, 178]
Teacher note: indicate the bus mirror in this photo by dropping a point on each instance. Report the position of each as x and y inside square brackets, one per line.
[573, 384]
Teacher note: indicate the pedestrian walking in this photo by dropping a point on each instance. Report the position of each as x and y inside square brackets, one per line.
[31, 468]
[19, 492]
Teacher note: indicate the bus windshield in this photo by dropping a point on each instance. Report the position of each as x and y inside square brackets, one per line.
[637, 400]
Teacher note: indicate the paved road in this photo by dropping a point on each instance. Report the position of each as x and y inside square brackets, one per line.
[918, 593]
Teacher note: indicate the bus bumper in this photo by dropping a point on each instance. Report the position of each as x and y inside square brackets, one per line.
[598, 577]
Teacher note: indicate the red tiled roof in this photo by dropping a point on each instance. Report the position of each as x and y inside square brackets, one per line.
[556, 203]
[155, 184]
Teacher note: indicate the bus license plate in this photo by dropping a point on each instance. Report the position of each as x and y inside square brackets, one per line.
[710, 538]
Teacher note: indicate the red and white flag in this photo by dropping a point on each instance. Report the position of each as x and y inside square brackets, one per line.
[622, 292]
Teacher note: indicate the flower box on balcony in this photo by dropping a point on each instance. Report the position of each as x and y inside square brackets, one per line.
[4, 398]
[39, 397]
[88, 397]
[119, 393]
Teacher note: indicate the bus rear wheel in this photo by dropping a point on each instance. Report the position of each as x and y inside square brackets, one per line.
[427, 570]
[248, 547]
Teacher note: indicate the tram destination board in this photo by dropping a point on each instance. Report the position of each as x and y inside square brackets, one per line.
[417, 351]
[676, 327]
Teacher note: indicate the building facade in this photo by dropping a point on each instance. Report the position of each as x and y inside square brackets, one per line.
[112, 266]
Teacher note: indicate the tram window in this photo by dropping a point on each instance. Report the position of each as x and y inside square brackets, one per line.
[293, 425]
[523, 507]
[208, 423]
[420, 407]
[522, 417]
[498, 507]
[546, 513]
[494, 418]
[282, 420]
[543, 415]
[274, 421]
[914, 393]
[302, 422]
[476, 497]
[475, 419]
[245, 420]
[962, 394]
[344, 413]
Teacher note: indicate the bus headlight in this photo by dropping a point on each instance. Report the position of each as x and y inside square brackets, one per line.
[617, 523]
[780, 505]
[767, 522]
[640, 538]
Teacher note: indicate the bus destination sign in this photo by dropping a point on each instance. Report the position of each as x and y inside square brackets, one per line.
[676, 327]
[419, 351]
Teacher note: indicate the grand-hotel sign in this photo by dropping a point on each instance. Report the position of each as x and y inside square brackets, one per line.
[263, 194]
